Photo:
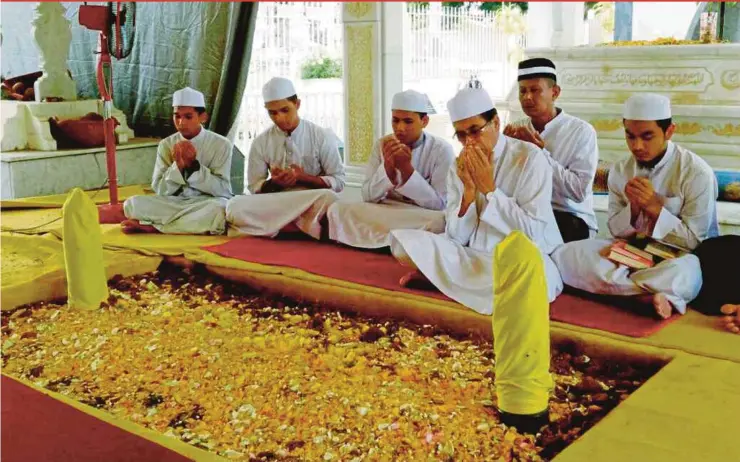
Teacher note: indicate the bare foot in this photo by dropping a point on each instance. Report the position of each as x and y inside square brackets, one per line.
[732, 320]
[133, 226]
[416, 280]
[662, 306]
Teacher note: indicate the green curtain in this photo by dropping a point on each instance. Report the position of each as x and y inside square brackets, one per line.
[235, 68]
[204, 45]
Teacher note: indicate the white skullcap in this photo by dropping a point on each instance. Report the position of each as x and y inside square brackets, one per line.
[188, 97]
[278, 88]
[647, 106]
[469, 102]
[411, 100]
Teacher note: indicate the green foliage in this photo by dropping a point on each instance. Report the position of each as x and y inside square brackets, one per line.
[588, 6]
[495, 6]
[322, 68]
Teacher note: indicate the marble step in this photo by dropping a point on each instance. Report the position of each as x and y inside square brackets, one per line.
[39, 173]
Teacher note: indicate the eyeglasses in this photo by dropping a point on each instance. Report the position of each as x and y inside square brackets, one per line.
[473, 132]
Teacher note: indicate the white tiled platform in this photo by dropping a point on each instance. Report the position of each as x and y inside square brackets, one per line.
[39, 173]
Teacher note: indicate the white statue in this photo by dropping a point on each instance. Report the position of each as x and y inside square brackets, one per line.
[52, 34]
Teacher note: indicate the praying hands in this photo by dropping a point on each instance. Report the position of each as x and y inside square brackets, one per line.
[525, 134]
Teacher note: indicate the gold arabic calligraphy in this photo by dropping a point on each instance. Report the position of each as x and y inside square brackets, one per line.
[630, 79]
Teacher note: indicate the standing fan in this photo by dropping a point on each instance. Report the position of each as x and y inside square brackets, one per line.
[116, 23]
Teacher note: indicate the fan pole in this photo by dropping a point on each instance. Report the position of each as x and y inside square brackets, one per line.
[110, 150]
[109, 213]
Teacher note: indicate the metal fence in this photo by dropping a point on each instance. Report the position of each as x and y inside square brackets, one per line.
[443, 48]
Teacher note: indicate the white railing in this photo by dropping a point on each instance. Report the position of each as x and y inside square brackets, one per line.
[443, 48]
[288, 34]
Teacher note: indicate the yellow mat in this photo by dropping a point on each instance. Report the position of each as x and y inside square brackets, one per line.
[99, 196]
[31, 221]
[33, 268]
[687, 412]
[156, 244]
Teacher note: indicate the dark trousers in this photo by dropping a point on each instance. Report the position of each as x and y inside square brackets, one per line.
[571, 227]
[719, 258]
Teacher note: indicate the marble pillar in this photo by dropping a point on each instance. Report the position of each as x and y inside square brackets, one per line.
[555, 24]
[623, 21]
[52, 35]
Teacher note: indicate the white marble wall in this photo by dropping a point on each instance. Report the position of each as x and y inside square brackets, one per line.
[29, 174]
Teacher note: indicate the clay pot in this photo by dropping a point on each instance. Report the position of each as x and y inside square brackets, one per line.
[85, 132]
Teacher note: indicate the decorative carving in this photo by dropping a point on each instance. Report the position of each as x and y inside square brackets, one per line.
[359, 10]
[730, 80]
[52, 35]
[727, 130]
[606, 125]
[688, 99]
[688, 128]
[360, 92]
[675, 78]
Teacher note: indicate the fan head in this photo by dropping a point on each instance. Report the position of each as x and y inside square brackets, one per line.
[122, 27]
[117, 21]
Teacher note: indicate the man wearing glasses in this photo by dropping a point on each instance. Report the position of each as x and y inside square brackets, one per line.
[568, 142]
[499, 185]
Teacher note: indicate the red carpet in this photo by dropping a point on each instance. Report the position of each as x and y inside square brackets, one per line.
[381, 270]
[370, 268]
[38, 428]
[607, 314]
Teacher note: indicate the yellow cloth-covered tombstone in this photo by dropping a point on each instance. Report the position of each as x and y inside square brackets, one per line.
[83, 252]
[521, 333]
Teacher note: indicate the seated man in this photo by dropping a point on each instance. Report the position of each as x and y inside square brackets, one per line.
[663, 191]
[569, 144]
[304, 167]
[499, 185]
[191, 177]
[405, 183]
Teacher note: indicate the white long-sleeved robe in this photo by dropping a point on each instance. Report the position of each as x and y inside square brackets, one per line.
[192, 205]
[417, 204]
[313, 148]
[458, 262]
[689, 215]
[573, 153]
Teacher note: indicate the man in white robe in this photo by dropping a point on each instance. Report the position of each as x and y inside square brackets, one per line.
[191, 177]
[499, 185]
[294, 172]
[568, 142]
[663, 191]
[405, 182]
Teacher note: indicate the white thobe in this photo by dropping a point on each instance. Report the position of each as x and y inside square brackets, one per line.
[418, 203]
[315, 150]
[192, 205]
[689, 215]
[312, 147]
[573, 153]
[459, 262]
